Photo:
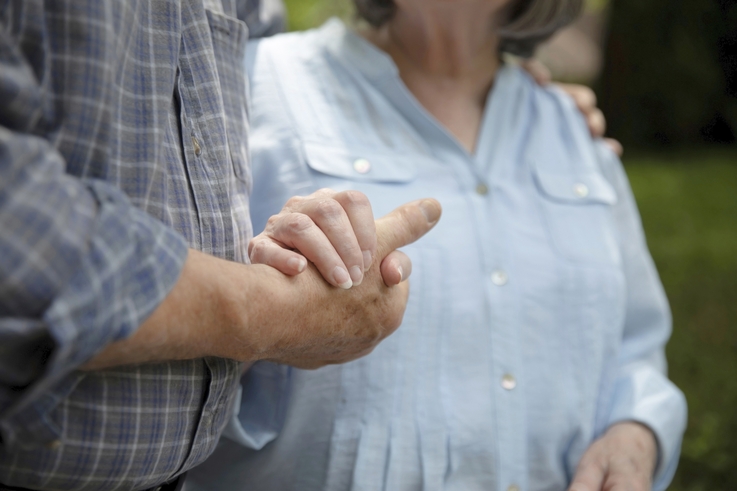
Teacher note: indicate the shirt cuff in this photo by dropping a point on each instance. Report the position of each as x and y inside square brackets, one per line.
[646, 396]
[260, 406]
[130, 266]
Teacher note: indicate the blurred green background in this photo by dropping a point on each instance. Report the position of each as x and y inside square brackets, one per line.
[669, 91]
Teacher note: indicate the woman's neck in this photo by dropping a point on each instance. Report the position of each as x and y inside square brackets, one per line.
[446, 56]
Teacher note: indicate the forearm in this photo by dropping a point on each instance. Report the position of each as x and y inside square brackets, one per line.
[80, 267]
[254, 312]
[644, 395]
[642, 391]
[192, 320]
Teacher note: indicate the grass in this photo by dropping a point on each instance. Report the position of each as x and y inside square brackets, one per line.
[304, 14]
[688, 204]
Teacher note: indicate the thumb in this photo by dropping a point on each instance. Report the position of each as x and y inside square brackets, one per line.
[405, 225]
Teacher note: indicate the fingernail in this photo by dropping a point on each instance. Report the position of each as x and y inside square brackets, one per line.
[356, 275]
[341, 277]
[401, 273]
[366, 260]
[298, 263]
[430, 210]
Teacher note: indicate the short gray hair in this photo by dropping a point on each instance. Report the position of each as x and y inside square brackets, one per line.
[530, 22]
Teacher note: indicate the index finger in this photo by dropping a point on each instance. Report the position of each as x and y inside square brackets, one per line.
[358, 209]
[405, 225]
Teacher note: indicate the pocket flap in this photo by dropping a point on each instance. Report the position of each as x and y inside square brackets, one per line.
[588, 187]
[360, 166]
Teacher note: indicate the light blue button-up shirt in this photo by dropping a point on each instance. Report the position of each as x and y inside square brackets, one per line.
[536, 318]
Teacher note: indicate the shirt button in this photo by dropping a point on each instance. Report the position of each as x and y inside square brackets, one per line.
[513, 487]
[196, 146]
[508, 381]
[482, 189]
[53, 445]
[362, 166]
[581, 190]
[499, 278]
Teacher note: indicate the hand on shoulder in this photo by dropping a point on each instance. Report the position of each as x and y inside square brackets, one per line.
[583, 96]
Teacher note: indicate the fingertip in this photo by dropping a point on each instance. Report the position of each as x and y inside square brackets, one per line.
[297, 264]
[342, 278]
[431, 209]
[367, 258]
[392, 273]
[616, 147]
[396, 276]
[356, 275]
[597, 123]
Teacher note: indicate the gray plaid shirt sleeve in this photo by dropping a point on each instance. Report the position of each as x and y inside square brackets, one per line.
[80, 265]
[123, 142]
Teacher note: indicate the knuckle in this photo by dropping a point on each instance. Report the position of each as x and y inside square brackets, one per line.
[258, 250]
[355, 198]
[329, 209]
[294, 202]
[251, 244]
[321, 193]
[298, 223]
[272, 221]
[601, 120]
[596, 461]
[586, 97]
[591, 95]
[371, 337]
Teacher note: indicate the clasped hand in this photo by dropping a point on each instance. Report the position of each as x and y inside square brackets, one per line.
[328, 240]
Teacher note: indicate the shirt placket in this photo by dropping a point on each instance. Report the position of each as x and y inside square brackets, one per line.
[204, 134]
[481, 180]
[507, 377]
[210, 168]
[507, 369]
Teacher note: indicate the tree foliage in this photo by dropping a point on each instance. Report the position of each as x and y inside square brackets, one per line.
[671, 71]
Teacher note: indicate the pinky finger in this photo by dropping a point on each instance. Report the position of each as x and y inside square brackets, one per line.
[288, 262]
[615, 146]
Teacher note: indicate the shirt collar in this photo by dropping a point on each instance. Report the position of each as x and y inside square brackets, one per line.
[350, 48]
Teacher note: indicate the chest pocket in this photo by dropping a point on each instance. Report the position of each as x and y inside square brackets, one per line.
[577, 208]
[360, 165]
[384, 176]
[229, 37]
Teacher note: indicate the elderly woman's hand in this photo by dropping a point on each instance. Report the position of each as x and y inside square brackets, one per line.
[335, 231]
[584, 98]
[623, 459]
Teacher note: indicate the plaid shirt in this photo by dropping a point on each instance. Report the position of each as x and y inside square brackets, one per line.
[122, 143]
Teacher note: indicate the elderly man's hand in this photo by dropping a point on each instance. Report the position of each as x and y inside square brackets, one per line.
[623, 459]
[254, 312]
[317, 324]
